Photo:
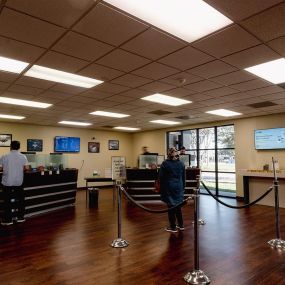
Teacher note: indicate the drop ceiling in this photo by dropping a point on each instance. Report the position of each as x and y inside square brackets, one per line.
[134, 59]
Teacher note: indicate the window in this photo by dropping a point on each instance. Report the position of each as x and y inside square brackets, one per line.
[213, 150]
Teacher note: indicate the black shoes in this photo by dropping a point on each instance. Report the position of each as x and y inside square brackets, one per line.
[171, 230]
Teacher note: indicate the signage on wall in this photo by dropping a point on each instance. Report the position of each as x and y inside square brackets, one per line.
[118, 167]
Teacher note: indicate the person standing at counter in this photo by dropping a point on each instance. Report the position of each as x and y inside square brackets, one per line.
[13, 164]
[172, 184]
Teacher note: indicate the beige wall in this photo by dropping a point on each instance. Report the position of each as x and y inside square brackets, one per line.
[246, 155]
[131, 144]
[90, 161]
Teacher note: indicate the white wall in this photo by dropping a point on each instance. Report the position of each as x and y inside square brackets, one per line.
[90, 161]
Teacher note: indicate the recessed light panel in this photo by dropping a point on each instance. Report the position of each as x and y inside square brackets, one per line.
[224, 113]
[126, 128]
[167, 100]
[50, 74]
[74, 123]
[109, 114]
[27, 103]
[187, 19]
[165, 122]
[12, 65]
[12, 117]
[272, 71]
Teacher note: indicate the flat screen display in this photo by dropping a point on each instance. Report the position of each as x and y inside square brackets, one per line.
[66, 144]
[269, 139]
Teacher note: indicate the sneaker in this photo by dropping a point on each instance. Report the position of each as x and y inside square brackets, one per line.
[6, 223]
[180, 228]
[171, 230]
[21, 220]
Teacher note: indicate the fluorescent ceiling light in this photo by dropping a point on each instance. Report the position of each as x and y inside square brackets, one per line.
[165, 122]
[12, 117]
[164, 99]
[224, 113]
[187, 19]
[127, 128]
[74, 123]
[27, 103]
[273, 71]
[109, 114]
[12, 65]
[45, 73]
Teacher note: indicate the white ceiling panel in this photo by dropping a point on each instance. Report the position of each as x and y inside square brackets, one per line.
[227, 41]
[111, 26]
[28, 29]
[194, 58]
[122, 60]
[153, 44]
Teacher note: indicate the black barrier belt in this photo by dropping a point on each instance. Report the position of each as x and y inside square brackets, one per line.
[151, 210]
[238, 207]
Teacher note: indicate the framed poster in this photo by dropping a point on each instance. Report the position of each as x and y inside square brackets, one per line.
[113, 145]
[5, 140]
[34, 145]
[93, 147]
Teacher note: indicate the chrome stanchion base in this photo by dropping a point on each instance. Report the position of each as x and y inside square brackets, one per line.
[119, 242]
[197, 277]
[277, 243]
[201, 222]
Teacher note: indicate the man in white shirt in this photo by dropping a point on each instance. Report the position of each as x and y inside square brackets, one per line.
[13, 164]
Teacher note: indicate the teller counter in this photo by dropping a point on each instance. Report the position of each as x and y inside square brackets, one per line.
[50, 191]
[140, 183]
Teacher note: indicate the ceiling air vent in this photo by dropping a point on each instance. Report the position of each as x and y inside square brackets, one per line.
[159, 112]
[262, 104]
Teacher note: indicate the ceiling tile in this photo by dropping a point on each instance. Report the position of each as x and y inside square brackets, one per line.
[220, 92]
[155, 71]
[62, 13]
[122, 60]
[249, 85]
[110, 88]
[28, 29]
[82, 47]
[186, 58]
[153, 44]
[67, 88]
[24, 89]
[95, 94]
[202, 86]
[34, 82]
[3, 85]
[265, 90]
[105, 103]
[156, 86]
[227, 41]
[212, 69]
[234, 77]
[61, 62]
[252, 56]
[274, 96]
[100, 72]
[179, 92]
[131, 80]
[112, 26]
[7, 76]
[278, 45]
[237, 10]
[119, 98]
[267, 25]
[135, 93]
[20, 51]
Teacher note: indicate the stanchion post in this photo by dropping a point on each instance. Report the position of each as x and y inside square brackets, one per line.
[278, 242]
[196, 276]
[119, 242]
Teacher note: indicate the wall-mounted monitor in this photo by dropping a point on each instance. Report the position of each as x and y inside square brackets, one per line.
[34, 145]
[269, 139]
[66, 144]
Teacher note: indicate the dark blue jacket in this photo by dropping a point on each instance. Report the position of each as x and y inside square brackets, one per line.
[172, 181]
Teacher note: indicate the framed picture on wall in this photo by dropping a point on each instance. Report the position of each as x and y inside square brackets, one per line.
[93, 147]
[34, 145]
[5, 140]
[113, 144]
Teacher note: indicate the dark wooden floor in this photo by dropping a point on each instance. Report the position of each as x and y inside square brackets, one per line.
[71, 246]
